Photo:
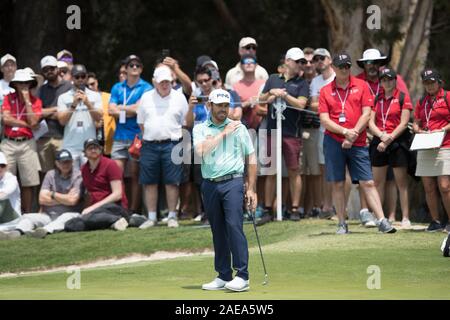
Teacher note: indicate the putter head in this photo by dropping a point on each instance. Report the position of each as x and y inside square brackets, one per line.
[266, 280]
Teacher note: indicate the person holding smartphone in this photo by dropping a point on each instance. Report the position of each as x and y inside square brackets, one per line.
[78, 109]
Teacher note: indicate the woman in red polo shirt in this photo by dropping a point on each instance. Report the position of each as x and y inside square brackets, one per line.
[21, 114]
[389, 126]
[432, 114]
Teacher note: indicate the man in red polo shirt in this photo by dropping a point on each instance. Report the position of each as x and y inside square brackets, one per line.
[21, 113]
[103, 180]
[344, 106]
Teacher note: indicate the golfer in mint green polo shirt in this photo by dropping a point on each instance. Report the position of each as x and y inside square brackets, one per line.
[224, 147]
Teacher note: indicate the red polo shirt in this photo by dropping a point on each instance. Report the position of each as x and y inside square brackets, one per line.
[98, 182]
[439, 114]
[376, 86]
[18, 110]
[390, 110]
[358, 97]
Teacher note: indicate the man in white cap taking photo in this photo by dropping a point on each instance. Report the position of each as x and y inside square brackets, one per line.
[247, 45]
[8, 67]
[161, 114]
[224, 147]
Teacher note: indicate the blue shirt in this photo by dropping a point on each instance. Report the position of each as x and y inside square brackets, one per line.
[129, 129]
[228, 157]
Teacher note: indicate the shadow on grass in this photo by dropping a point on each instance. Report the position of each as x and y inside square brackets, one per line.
[192, 287]
[333, 233]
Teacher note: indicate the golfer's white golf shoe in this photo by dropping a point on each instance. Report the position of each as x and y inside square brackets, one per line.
[216, 284]
[238, 284]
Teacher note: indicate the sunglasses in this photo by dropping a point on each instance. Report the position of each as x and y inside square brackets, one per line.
[345, 67]
[63, 71]
[248, 61]
[305, 62]
[3, 166]
[250, 47]
[203, 81]
[371, 62]
[80, 77]
[48, 69]
[317, 58]
[132, 65]
[302, 61]
[91, 84]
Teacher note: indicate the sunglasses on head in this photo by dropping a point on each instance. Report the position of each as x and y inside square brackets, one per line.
[80, 77]
[132, 65]
[203, 81]
[250, 47]
[317, 58]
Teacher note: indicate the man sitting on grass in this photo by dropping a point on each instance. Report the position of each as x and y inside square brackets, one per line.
[10, 209]
[60, 200]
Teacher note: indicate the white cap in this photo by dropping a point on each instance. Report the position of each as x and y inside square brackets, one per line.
[22, 75]
[372, 54]
[62, 64]
[322, 52]
[162, 73]
[295, 54]
[211, 62]
[30, 71]
[49, 61]
[246, 41]
[3, 158]
[7, 57]
[219, 96]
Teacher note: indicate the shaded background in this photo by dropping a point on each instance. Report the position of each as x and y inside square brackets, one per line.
[110, 30]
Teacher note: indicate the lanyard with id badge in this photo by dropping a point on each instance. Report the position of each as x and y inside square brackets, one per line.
[342, 118]
[123, 113]
[18, 115]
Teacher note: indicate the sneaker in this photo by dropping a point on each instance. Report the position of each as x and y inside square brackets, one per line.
[367, 219]
[120, 225]
[294, 215]
[216, 284]
[198, 217]
[406, 223]
[267, 217]
[39, 233]
[148, 224]
[342, 228]
[434, 226]
[386, 227]
[315, 213]
[136, 220]
[238, 284]
[172, 223]
[9, 235]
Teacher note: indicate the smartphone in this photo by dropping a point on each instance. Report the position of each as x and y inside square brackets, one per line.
[165, 53]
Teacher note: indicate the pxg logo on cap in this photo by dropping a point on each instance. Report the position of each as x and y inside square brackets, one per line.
[219, 96]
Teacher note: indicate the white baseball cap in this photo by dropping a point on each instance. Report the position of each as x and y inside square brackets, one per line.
[49, 61]
[62, 64]
[219, 96]
[7, 57]
[246, 41]
[322, 52]
[162, 73]
[295, 54]
[3, 158]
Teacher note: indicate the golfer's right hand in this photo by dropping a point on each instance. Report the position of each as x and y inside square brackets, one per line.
[231, 127]
[252, 200]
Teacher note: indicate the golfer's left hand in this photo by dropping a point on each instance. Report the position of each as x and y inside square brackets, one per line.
[252, 200]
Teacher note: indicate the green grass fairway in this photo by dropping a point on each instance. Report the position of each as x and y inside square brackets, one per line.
[304, 260]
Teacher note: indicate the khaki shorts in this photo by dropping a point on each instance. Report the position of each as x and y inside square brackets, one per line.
[47, 148]
[310, 165]
[433, 163]
[24, 157]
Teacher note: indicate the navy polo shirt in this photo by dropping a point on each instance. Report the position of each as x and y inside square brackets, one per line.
[296, 87]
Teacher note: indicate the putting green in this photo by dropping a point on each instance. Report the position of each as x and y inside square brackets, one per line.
[313, 264]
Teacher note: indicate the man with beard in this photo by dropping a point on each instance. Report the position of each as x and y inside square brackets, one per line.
[49, 93]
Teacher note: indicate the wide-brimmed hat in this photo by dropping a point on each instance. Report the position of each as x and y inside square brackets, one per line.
[23, 75]
[372, 55]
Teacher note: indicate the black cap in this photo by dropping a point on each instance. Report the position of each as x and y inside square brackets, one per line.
[430, 74]
[90, 142]
[387, 72]
[78, 69]
[130, 58]
[341, 59]
[63, 155]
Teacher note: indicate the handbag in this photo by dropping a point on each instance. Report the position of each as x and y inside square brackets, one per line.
[135, 149]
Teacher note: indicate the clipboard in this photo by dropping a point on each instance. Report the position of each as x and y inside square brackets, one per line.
[427, 141]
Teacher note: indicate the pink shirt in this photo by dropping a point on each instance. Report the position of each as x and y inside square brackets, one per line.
[246, 91]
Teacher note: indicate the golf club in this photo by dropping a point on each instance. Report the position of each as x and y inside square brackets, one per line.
[252, 213]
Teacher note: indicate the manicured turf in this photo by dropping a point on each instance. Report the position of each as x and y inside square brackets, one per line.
[304, 260]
